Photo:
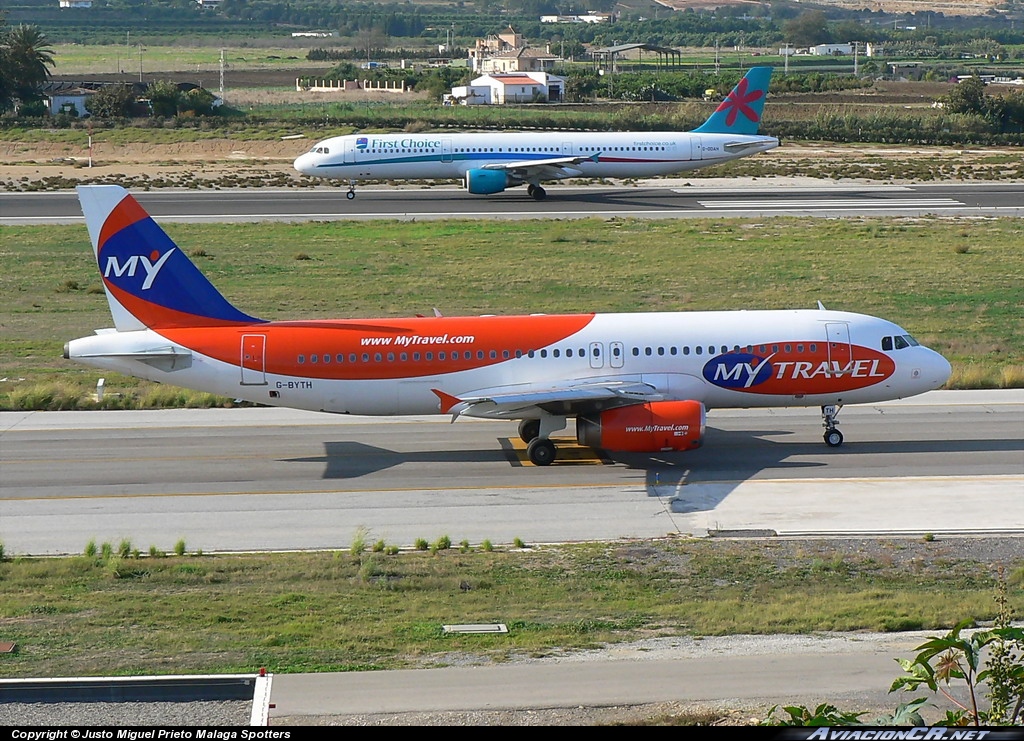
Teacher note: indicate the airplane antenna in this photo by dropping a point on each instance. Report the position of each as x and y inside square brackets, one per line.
[821, 306]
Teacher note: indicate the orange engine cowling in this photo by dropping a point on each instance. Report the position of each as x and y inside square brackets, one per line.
[645, 428]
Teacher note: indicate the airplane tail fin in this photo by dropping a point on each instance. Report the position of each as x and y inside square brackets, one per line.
[740, 112]
[149, 281]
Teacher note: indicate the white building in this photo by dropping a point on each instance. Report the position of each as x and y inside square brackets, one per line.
[831, 50]
[517, 87]
[69, 101]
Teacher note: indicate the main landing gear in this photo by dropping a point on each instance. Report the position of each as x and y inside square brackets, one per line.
[833, 437]
[536, 192]
[539, 449]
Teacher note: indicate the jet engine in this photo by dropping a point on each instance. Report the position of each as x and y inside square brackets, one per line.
[484, 182]
[644, 428]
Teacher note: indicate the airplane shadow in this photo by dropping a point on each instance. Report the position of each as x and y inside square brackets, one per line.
[728, 459]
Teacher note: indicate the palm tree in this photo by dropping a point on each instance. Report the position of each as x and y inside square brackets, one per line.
[27, 58]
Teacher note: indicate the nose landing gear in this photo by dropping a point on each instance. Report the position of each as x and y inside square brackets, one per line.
[351, 190]
[833, 437]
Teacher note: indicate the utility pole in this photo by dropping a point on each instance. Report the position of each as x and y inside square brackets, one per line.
[140, 62]
[222, 75]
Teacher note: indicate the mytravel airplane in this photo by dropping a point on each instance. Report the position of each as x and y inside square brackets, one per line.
[633, 382]
[491, 162]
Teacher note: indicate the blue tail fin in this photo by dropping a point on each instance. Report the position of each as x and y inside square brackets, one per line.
[740, 112]
[148, 280]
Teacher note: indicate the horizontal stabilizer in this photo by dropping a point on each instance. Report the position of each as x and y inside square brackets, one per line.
[167, 358]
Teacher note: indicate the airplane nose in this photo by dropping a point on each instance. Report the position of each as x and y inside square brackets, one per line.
[935, 370]
[943, 368]
[303, 163]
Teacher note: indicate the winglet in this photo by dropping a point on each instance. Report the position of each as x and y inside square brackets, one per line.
[448, 402]
[740, 112]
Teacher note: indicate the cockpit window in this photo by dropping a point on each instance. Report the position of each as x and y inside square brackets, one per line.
[321, 150]
[899, 341]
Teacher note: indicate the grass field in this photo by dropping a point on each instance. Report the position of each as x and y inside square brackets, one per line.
[114, 612]
[956, 284]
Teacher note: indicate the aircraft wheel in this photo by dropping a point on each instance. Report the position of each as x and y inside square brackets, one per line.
[350, 195]
[833, 438]
[538, 193]
[529, 429]
[529, 189]
[541, 452]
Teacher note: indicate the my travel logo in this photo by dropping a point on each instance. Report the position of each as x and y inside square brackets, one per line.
[150, 266]
[849, 367]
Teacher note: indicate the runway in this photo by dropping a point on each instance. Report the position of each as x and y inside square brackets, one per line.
[274, 479]
[674, 199]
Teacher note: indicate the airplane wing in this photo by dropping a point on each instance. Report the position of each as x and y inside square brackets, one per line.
[553, 168]
[517, 402]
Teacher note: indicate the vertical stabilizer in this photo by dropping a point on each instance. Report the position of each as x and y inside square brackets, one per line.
[148, 280]
[740, 112]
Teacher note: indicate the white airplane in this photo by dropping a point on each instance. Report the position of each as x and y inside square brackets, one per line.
[633, 382]
[491, 162]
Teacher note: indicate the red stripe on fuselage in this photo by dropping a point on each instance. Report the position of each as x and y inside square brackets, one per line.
[383, 348]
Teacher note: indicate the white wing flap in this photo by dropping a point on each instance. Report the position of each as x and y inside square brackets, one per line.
[549, 169]
[516, 402]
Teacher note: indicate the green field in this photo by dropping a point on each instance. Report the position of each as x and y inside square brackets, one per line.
[81, 59]
[956, 284]
[124, 613]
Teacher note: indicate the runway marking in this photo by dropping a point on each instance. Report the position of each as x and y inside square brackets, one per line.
[835, 203]
[570, 453]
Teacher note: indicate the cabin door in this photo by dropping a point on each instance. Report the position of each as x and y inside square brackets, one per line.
[254, 360]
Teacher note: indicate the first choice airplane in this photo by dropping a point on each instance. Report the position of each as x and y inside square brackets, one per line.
[490, 163]
[640, 382]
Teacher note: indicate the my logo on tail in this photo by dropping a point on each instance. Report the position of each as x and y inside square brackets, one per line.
[151, 265]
